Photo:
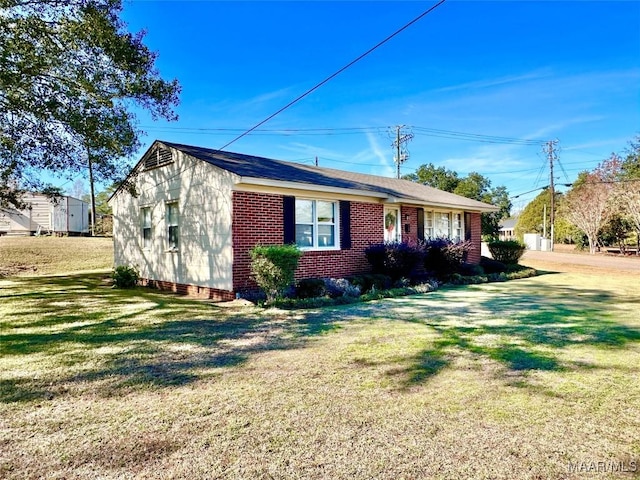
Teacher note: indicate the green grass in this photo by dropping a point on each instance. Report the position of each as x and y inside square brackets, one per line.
[53, 255]
[505, 380]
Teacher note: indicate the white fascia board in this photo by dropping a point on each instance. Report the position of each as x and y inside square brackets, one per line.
[440, 205]
[265, 182]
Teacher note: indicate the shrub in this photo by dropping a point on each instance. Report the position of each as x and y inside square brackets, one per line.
[443, 256]
[506, 251]
[490, 265]
[371, 281]
[310, 288]
[273, 267]
[125, 277]
[471, 270]
[395, 259]
[340, 287]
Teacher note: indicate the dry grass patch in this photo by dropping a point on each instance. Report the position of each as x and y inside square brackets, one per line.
[509, 380]
[53, 255]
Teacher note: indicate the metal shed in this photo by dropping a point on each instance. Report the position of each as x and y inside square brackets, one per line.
[61, 215]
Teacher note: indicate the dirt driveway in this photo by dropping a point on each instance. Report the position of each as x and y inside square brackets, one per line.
[582, 262]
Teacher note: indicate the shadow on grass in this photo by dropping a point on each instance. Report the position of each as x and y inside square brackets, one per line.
[522, 328]
[111, 341]
[137, 338]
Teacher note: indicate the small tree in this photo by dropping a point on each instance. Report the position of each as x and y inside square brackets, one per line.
[588, 204]
[273, 268]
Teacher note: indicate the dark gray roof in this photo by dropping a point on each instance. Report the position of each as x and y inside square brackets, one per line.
[508, 223]
[266, 168]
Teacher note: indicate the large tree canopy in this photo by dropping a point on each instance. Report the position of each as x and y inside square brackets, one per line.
[69, 74]
[436, 177]
[474, 186]
[532, 219]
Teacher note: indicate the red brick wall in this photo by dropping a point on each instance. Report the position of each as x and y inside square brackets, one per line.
[409, 216]
[366, 228]
[257, 218]
[476, 238]
[205, 293]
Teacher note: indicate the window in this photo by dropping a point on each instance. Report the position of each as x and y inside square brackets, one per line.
[444, 225]
[316, 223]
[428, 224]
[441, 224]
[146, 227]
[391, 225]
[456, 232]
[172, 225]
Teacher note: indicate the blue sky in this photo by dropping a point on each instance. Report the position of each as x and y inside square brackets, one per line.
[526, 70]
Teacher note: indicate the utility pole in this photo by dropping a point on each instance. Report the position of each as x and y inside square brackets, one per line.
[550, 149]
[402, 155]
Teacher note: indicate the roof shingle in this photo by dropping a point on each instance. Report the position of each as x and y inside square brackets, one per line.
[265, 168]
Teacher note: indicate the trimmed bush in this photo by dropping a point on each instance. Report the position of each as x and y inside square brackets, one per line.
[471, 270]
[444, 257]
[506, 251]
[489, 265]
[310, 288]
[371, 281]
[273, 267]
[395, 259]
[125, 277]
[340, 287]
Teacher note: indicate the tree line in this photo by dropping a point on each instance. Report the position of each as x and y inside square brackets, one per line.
[70, 73]
[602, 207]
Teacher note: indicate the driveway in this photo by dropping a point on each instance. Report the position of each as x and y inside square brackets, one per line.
[583, 262]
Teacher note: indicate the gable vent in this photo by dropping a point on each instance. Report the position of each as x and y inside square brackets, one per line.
[157, 158]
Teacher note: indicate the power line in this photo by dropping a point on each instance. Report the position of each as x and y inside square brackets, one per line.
[300, 97]
[455, 135]
[530, 191]
[476, 137]
[330, 77]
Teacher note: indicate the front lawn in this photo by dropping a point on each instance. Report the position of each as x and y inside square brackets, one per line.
[534, 378]
[53, 255]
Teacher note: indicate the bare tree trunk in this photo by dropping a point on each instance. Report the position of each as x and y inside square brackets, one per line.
[93, 196]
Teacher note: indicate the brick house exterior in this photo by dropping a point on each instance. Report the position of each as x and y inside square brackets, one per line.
[199, 212]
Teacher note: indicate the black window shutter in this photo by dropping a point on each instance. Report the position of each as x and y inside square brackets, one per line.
[289, 218]
[345, 225]
[421, 224]
[467, 226]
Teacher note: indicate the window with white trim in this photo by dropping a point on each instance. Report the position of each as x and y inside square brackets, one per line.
[428, 224]
[442, 225]
[456, 227]
[173, 216]
[316, 224]
[439, 224]
[145, 213]
[391, 224]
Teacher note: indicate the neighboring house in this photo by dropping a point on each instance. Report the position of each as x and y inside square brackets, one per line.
[198, 212]
[507, 229]
[45, 215]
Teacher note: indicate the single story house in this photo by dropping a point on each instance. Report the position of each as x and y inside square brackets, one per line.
[507, 229]
[62, 215]
[197, 212]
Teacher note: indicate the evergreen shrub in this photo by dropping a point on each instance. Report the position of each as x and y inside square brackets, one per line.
[273, 267]
[506, 251]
